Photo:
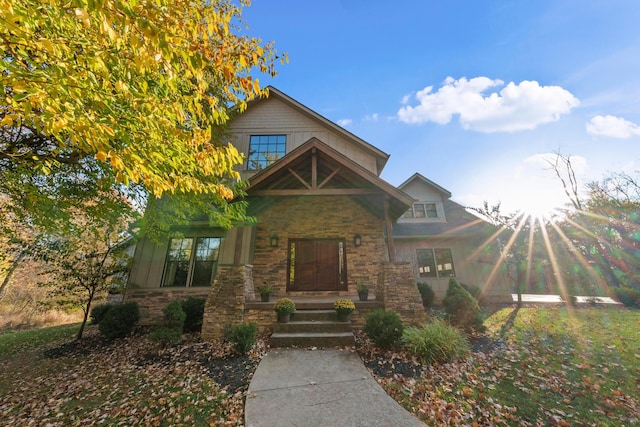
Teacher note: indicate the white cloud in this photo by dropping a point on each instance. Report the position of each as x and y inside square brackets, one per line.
[372, 117]
[615, 127]
[515, 107]
[344, 122]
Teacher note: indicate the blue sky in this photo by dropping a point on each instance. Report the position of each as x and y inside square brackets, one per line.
[474, 95]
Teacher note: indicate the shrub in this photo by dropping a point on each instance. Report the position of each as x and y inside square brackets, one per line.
[427, 294]
[171, 330]
[243, 336]
[284, 305]
[436, 342]
[99, 311]
[384, 328]
[174, 316]
[120, 320]
[194, 309]
[474, 290]
[461, 307]
[628, 296]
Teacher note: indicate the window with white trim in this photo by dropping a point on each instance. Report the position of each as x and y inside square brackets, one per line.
[422, 210]
[435, 263]
[191, 261]
[264, 150]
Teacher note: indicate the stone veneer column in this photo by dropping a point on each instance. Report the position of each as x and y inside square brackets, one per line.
[225, 306]
[397, 289]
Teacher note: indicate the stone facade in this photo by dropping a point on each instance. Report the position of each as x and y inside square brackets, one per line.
[225, 306]
[317, 217]
[153, 301]
[397, 290]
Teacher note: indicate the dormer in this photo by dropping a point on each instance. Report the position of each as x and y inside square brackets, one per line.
[429, 200]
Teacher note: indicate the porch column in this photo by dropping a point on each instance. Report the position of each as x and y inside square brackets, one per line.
[387, 223]
[225, 306]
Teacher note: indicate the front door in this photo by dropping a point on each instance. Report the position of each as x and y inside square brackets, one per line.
[316, 265]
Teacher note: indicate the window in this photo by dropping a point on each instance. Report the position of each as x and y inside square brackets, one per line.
[191, 261]
[265, 149]
[435, 263]
[422, 210]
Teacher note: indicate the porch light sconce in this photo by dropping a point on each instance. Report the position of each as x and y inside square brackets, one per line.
[357, 240]
[273, 241]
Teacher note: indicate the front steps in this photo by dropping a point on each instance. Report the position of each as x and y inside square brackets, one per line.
[312, 328]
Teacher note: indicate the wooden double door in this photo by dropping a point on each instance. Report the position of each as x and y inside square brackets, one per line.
[317, 265]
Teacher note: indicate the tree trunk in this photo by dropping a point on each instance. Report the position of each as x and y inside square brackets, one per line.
[12, 269]
[86, 311]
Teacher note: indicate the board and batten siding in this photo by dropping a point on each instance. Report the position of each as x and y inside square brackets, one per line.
[274, 117]
[469, 269]
[148, 261]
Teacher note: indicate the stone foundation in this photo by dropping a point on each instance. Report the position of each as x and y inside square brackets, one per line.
[153, 301]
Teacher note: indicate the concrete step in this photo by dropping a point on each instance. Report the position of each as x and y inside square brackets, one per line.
[307, 339]
[315, 316]
[311, 326]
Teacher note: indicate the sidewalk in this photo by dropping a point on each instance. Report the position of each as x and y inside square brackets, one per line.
[295, 387]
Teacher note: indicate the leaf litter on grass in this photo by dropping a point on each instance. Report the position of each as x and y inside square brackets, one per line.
[552, 367]
[132, 381]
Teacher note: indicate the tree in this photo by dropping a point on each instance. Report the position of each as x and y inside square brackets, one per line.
[90, 256]
[137, 85]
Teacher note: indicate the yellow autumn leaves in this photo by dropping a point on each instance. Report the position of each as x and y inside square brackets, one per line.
[137, 84]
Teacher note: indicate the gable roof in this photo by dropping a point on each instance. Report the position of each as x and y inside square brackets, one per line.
[315, 169]
[380, 156]
[418, 177]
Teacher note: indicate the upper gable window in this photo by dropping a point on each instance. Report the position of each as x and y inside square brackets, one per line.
[264, 150]
[422, 210]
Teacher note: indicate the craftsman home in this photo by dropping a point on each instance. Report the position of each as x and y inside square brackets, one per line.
[326, 221]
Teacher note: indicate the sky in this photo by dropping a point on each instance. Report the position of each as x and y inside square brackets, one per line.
[475, 95]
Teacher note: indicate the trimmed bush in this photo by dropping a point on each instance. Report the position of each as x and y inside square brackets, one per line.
[462, 308]
[99, 311]
[174, 315]
[474, 290]
[171, 331]
[427, 294]
[384, 328]
[243, 336]
[436, 342]
[120, 320]
[628, 296]
[194, 309]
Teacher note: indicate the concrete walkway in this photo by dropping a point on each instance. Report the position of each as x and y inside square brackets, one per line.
[295, 387]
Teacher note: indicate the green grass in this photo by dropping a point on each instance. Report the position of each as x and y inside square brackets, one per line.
[552, 366]
[12, 342]
[581, 363]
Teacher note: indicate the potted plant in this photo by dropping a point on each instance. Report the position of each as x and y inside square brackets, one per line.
[363, 291]
[343, 307]
[264, 291]
[284, 307]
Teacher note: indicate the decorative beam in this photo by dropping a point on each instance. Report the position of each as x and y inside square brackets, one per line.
[317, 192]
[327, 179]
[314, 168]
[299, 178]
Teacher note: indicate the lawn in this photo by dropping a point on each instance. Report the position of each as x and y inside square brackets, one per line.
[540, 366]
[46, 379]
[534, 366]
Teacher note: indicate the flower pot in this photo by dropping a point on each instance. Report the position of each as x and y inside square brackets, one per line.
[264, 297]
[363, 296]
[284, 317]
[343, 317]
